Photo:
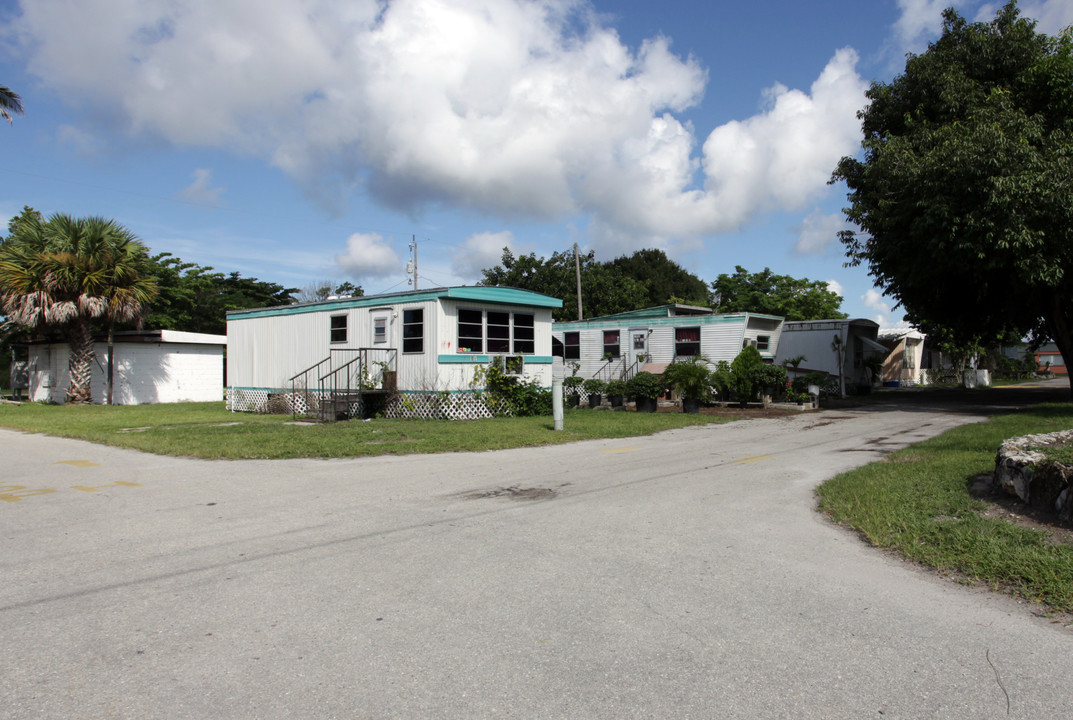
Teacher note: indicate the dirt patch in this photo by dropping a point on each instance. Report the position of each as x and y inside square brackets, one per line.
[1010, 508]
[514, 492]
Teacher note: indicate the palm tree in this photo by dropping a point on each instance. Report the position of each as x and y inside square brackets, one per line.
[68, 273]
[10, 102]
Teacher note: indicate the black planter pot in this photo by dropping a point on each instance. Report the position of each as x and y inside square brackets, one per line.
[616, 400]
[573, 400]
[595, 399]
[690, 406]
[647, 404]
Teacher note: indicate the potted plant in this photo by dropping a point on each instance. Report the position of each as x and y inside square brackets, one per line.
[692, 379]
[572, 390]
[616, 389]
[595, 388]
[646, 389]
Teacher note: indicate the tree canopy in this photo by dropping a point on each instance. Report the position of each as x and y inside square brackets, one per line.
[70, 274]
[605, 291]
[664, 280]
[964, 194]
[193, 298]
[782, 295]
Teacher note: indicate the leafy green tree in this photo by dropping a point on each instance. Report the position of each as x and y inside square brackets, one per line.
[604, 291]
[964, 194]
[10, 103]
[771, 294]
[193, 298]
[324, 289]
[665, 280]
[71, 274]
[747, 374]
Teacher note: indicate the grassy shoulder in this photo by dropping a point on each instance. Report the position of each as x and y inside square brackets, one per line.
[208, 430]
[918, 502]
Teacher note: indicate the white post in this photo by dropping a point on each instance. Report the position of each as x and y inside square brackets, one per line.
[557, 403]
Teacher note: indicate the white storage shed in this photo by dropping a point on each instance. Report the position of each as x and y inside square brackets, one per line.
[150, 366]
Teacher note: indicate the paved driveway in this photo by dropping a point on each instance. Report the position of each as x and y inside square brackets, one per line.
[679, 576]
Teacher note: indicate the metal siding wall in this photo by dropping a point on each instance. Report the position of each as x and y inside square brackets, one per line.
[720, 342]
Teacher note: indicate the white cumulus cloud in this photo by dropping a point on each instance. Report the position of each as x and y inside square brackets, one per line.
[200, 191]
[836, 287]
[818, 232]
[514, 108]
[480, 251]
[368, 255]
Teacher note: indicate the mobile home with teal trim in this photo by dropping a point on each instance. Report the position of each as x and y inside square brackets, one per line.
[413, 346]
[618, 346]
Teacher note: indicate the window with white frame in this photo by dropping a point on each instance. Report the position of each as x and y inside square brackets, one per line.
[338, 328]
[379, 330]
[763, 342]
[413, 330]
[572, 346]
[496, 331]
[686, 341]
[612, 348]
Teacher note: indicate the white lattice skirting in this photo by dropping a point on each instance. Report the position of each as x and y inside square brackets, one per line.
[409, 406]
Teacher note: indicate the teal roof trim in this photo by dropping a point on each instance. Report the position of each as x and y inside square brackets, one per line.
[496, 295]
[503, 296]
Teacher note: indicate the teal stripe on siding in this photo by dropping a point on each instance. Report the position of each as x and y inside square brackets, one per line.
[463, 358]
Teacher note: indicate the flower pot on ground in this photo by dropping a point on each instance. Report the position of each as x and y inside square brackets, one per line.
[692, 379]
[616, 389]
[595, 388]
[572, 390]
[646, 388]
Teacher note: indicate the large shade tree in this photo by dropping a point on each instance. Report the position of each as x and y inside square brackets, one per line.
[765, 292]
[72, 274]
[964, 194]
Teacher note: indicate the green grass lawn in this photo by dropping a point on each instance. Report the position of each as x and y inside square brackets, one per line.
[207, 430]
[918, 502]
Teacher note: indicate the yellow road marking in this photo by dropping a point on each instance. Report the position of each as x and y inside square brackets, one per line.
[95, 488]
[15, 493]
[622, 449]
[754, 458]
[78, 463]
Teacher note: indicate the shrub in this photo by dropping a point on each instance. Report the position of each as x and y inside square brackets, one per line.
[594, 386]
[523, 397]
[616, 387]
[572, 385]
[746, 370]
[646, 385]
[690, 378]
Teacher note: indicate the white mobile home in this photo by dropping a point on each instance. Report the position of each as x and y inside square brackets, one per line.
[620, 345]
[905, 355]
[424, 344]
[814, 340]
[154, 366]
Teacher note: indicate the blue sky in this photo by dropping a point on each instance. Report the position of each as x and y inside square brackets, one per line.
[305, 140]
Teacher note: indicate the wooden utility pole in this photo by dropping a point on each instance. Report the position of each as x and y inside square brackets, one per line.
[577, 268]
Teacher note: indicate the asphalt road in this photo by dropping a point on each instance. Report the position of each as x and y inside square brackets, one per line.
[680, 576]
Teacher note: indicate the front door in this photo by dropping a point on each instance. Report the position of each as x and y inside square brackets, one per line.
[638, 339]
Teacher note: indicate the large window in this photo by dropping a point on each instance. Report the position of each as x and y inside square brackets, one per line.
[572, 346]
[686, 341]
[496, 331]
[413, 330]
[470, 331]
[524, 334]
[612, 349]
[338, 328]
